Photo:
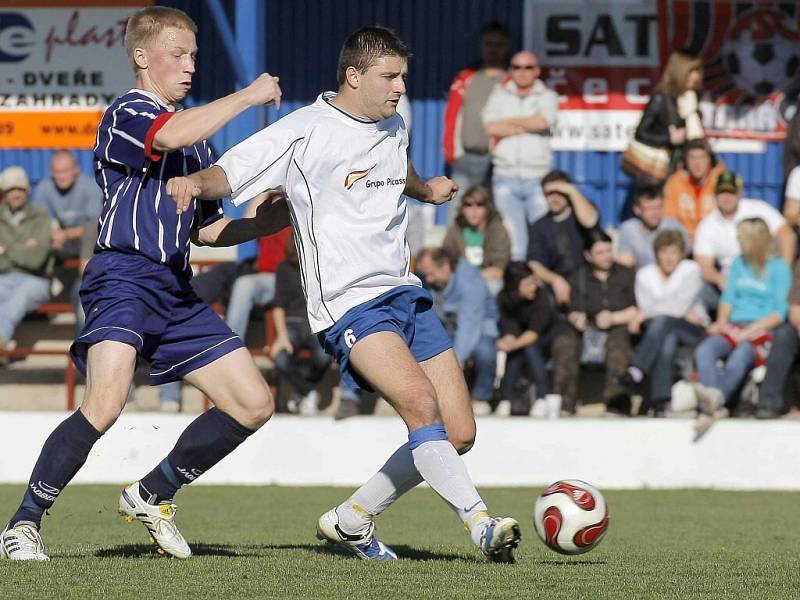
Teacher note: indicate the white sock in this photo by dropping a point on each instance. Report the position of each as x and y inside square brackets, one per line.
[396, 477]
[444, 470]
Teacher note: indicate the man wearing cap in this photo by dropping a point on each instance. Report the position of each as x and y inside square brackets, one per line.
[716, 243]
[24, 252]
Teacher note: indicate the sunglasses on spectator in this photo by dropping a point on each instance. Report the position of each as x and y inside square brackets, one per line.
[526, 67]
[468, 204]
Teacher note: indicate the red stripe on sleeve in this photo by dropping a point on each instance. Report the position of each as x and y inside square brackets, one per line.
[149, 153]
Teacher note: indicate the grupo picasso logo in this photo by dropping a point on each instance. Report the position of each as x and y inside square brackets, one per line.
[16, 37]
[355, 176]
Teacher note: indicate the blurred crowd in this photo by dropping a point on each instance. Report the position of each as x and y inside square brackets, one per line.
[692, 304]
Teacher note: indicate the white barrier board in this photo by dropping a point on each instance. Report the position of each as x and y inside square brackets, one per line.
[641, 453]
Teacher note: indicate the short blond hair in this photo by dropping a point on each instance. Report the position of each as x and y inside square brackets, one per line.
[145, 25]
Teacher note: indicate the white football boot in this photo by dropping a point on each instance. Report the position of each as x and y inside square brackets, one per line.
[22, 542]
[159, 520]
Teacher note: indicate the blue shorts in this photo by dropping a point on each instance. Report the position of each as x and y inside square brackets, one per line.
[129, 298]
[406, 310]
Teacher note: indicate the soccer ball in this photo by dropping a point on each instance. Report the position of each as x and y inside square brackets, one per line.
[761, 67]
[570, 516]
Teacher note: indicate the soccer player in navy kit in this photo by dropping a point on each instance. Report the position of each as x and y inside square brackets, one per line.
[343, 163]
[136, 290]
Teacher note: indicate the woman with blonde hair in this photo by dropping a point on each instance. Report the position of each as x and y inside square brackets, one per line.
[670, 119]
[754, 302]
[478, 234]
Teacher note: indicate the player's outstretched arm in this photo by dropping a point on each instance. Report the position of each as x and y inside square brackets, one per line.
[271, 216]
[208, 184]
[188, 127]
[434, 191]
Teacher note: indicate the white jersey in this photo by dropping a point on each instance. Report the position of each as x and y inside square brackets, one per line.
[344, 180]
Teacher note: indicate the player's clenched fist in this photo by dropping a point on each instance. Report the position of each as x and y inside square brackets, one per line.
[264, 90]
[183, 190]
[442, 189]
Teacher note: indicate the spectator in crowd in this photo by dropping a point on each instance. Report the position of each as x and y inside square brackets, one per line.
[668, 297]
[466, 145]
[532, 330]
[781, 358]
[603, 299]
[479, 236]
[556, 241]
[636, 235]
[791, 146]
[72, 200]
[518, 117]
[716, 243]
[25, 256]
[672, 116]
[256, 288]
[468, 310]
[293, 334]
[753, 304]
[791, 198]
[689, 192]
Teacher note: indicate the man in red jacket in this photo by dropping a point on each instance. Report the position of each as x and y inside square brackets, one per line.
[466, 146]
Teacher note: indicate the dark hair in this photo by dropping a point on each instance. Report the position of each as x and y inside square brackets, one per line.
[439, 256]
[365, 46]
[593, 236]
[555, 175]
[496, 28]
[648, 191]
[482, 192]
[670, 237]
[699, 144]
[515, 272]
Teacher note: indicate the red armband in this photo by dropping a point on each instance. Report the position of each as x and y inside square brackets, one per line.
[160, 121]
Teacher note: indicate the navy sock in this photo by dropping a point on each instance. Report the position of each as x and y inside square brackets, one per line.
[62, 455]
[206, 441]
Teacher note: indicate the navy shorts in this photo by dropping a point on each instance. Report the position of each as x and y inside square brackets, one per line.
[129, 298]
[406, 310]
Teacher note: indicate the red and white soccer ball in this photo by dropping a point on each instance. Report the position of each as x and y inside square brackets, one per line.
[570, 516]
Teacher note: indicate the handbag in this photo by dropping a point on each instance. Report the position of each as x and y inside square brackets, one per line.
[647, 165]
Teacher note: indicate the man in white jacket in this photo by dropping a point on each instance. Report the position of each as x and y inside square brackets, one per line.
[518, 118]
[668, 297]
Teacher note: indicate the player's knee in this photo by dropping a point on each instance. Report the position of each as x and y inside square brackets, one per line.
[462, 439]
[262, 409]
[422, 405]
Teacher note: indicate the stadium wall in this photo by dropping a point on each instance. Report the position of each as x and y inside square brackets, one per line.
[289, 450]
[303, 39]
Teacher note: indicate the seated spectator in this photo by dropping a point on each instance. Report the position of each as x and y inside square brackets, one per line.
[468, 310]
[72, 200]
[791, 199]
[25, 263]
[603, 298]
[636, 235]
[782, 357]
[668, 296]
[689, 192]
[753, 304]
[293, 334]
[717, 242]
[518, 117]
[556, 241]
[256, 288]
[479, 236]
[530, 330]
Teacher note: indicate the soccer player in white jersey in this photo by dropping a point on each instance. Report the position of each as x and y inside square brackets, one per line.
[343, 165]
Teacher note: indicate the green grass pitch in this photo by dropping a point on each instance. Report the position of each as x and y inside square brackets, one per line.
[258, 542]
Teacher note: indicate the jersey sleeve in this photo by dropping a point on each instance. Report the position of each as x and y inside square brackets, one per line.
[126, 133]
[261, 162]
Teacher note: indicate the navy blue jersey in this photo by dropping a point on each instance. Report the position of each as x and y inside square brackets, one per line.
[138, 216]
